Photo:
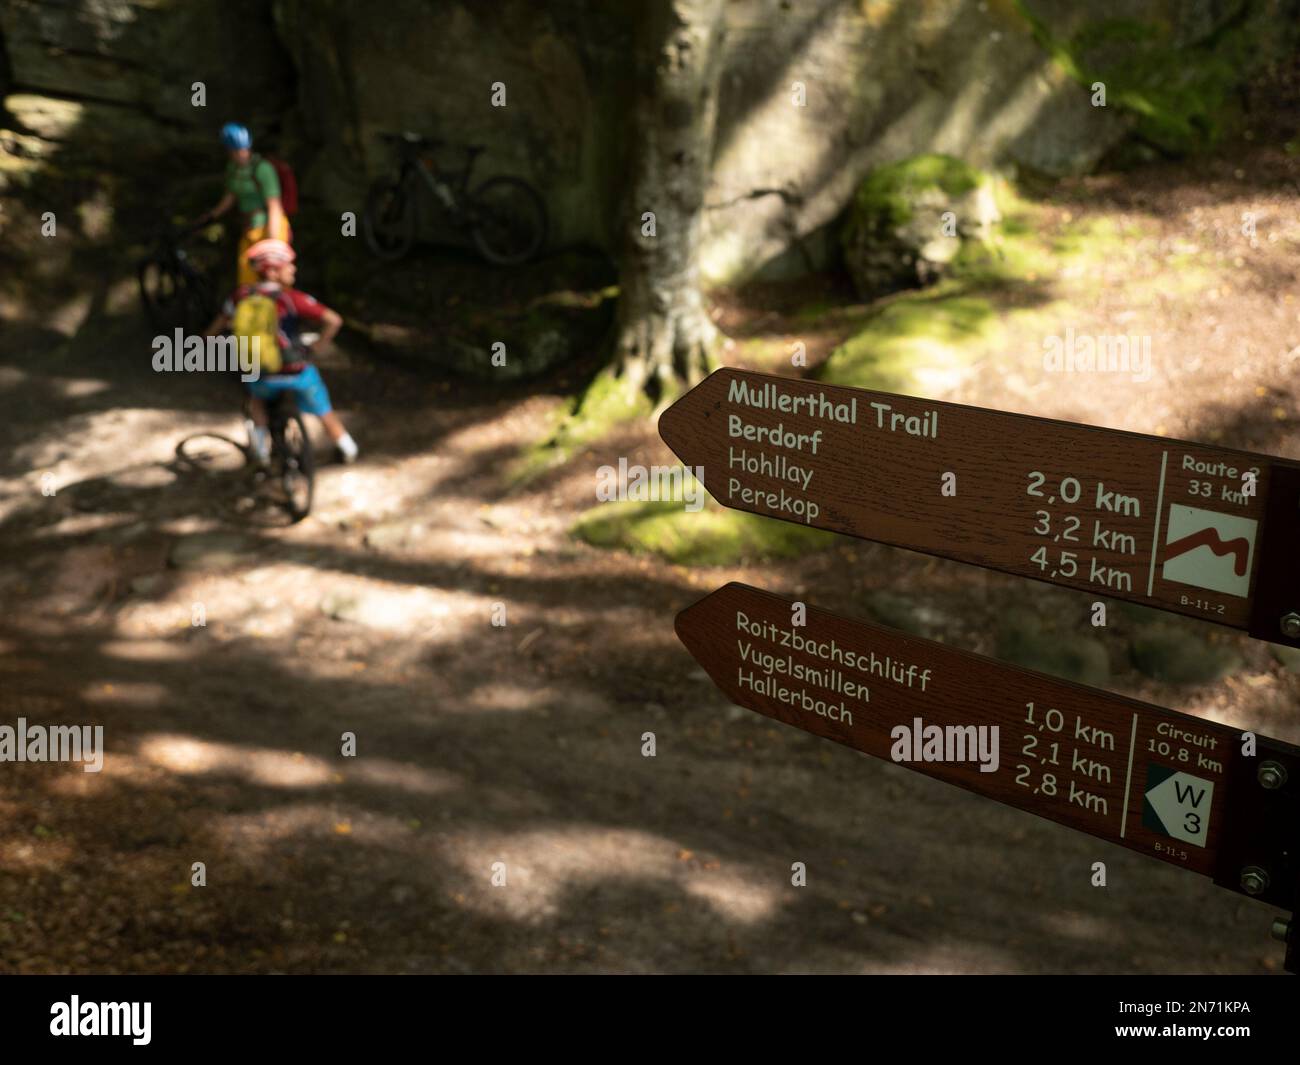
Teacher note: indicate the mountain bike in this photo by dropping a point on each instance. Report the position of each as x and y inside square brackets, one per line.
[292, 460]
[174, 289]
[504, 216]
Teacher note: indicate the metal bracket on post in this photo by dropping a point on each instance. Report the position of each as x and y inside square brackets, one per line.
[1260, 856]
[1285, 930]
[1275, 606]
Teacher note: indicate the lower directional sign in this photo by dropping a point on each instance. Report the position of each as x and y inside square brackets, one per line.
[1179, 526]
[1160, 782]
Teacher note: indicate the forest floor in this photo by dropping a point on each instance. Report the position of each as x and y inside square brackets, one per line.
[479, 744]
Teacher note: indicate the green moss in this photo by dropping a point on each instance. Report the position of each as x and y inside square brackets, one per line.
[713, 536]
[1181, 94]
[1019, 283]
[815, 311]
[607, 402]
[887, 191]
[1003, 262]
[939, 330]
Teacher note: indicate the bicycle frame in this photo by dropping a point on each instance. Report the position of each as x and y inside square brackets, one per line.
[169, 258]
[448, 189]
[279, 409]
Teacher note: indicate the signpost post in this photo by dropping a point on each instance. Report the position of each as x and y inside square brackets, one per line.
[1194, 530]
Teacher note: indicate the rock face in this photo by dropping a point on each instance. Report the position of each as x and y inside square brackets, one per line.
[109, 120]
[554, 71]
[909, 220]
[101, 77]
[813, 97]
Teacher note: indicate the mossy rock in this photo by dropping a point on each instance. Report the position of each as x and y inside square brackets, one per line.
[1179, 86]
[909, 220]
[606, 403]
[712, 536]
[913, 338]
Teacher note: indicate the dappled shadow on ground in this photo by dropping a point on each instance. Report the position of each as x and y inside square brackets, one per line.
[476, 745]
[229, 755]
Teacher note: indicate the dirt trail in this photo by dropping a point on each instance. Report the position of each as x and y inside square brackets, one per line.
[480, 744]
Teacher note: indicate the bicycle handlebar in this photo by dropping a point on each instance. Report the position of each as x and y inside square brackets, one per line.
[174, 234]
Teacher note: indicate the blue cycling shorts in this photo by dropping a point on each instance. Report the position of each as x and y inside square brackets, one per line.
[306, 385]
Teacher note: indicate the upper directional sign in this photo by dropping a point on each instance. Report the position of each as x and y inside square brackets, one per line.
[1163, 783]
[1203, 531]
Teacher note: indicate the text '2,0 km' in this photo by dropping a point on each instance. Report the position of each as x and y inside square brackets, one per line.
[1184, 527]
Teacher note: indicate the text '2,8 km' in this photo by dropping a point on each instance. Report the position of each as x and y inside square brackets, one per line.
[1166, 784]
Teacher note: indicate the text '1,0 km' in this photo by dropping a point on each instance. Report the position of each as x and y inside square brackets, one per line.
[1197, 530]
[1166, 784]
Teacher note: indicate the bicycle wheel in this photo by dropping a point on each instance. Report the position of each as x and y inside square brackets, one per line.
[388, 222]
[199, 307]
[174, 294]
[297, 466]
[508, 220]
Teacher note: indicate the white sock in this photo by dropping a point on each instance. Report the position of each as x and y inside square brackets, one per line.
[260, 438]
[347, 445]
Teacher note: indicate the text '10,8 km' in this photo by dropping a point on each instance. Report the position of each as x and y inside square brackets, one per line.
[1182, 527]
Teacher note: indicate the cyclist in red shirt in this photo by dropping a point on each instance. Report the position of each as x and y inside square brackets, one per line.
[273, 260]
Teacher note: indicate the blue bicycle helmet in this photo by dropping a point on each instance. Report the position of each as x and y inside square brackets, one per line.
[234, 136]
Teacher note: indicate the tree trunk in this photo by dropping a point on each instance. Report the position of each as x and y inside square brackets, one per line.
[664, 335]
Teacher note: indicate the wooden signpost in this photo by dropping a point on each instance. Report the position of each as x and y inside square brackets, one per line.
[1172, 525]
[1177, 526]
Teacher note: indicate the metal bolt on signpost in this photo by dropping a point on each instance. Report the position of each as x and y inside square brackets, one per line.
[1291, 625]
[1271, 775]
[1254, 880]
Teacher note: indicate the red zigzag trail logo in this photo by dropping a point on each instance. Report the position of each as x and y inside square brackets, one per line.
[1238, 547]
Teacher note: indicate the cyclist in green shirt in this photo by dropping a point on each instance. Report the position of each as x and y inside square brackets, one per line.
[253, 187]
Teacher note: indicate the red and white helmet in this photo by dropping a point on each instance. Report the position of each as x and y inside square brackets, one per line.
[270, 252]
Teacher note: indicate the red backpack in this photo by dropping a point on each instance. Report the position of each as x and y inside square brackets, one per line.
[288, 184]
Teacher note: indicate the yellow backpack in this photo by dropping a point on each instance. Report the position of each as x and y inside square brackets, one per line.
[257, 321]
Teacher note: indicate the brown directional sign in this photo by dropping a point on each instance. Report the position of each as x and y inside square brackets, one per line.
[1166, 784]
[1197, 530]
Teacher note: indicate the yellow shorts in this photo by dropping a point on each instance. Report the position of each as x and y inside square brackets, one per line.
[244, 273]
